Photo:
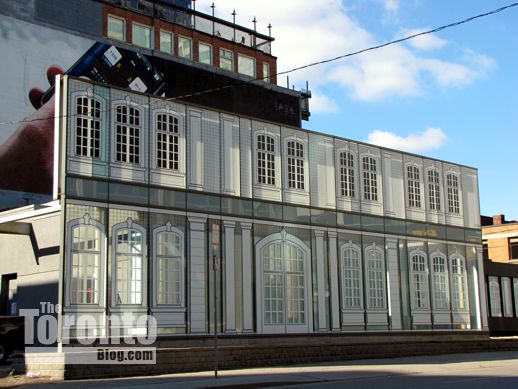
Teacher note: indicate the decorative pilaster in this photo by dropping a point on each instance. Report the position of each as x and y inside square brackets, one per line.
[197, 288]
[321, 281]
[393, 284]
[333, 278]
[230, 282]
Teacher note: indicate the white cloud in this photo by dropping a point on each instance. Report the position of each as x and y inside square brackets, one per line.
[431, 138]
[321, 103]
[311, 31]
[423, 42]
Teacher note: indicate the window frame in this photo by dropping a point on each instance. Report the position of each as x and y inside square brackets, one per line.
[113, 17]
[231, 59]
[434, 189]
[127, 125]
[179, 138]
[211, 53]
[182, 38]
[346, 295]
[266, 69]
[370, 182]
[494, 296]
[347, 174]
[274, 160]
[419, 282]
[299, 182]
[86, 220]
[129, 225]
[370, 270]
[168, 228]
[453, 193]
[90, 120]
[435, 289]
[413, 185]
[171, 35]
[253, 61]
[459, 284]
[143, 27]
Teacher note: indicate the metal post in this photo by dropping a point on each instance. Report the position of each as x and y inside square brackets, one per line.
[215, 268]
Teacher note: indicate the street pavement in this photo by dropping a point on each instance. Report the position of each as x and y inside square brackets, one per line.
[482, 370]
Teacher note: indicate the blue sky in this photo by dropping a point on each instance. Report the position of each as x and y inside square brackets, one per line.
[452, 95]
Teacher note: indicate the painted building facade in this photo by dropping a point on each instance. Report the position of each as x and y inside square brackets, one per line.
[318, 233]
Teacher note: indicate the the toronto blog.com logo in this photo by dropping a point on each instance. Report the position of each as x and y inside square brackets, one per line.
[86, 338]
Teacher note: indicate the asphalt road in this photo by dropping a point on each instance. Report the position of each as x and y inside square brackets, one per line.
[483, 370]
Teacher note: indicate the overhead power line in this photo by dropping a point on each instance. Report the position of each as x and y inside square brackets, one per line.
[313, 64]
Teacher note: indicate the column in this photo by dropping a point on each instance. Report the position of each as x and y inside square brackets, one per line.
[333, 275]
[482, 305]
[321, 281]
[197, 288]
[230, 282]
[248, 319]
[196, 150]
[393, 284]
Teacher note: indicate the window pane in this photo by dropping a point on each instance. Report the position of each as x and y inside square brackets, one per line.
[116, 28]
[226, 59]
[166, 42]
[205, 54]
[141, 35]
[184, 47]
[266, 72]
[246, 65]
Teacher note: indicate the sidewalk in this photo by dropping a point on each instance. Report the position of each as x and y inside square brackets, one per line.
[458, 371]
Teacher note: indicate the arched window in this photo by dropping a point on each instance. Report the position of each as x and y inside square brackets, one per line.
[452, 188]
[434, 190]
[370, 179]
[295, 152]
[375, 277]
[440, 284]
[347, 185]
[128, 249]
[283, 297]
[88, 127]
[169, 265]
[352, 276]
[128, 130]
[459, 283]
[413, 185]
[265, 159]
[167, 141]
[419, 280]
[86, 245]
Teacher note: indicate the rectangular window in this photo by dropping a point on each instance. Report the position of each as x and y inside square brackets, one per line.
[295, 165]
[166, 42]
[495, 305]
[440, 283]
[226, 59]
[347, 174]
[266, 72]
[513, 248]
[184, 47]
[246, 65]
[370, 179]
[205, 53]
[266, 160]
[116, 28]
[434, 190]
[414, 191]
[141, 35]
[127, 134]
[167, 142]
[452, 183]
[88, 127]
[515, 294]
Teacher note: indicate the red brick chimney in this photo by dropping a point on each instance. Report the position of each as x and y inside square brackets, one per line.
[498, 220]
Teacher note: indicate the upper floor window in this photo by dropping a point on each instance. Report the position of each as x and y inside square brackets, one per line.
[205, 53]
[440, 282]
[127, 134]
[452, 185]
[370, 179]
[352, 275]
[246, 65]
[169, 265]
[265, 159]
[419, 281]
[513, 248]
[86, 246]
[184, 47]
[347, 187]
[88, 127]
[166, 42]
[459, 283]
[116, 28]
[375, 269]
[167, 141]
[226, 59]
[413, 184]
[266, 72]
[295, 164]
[128, 248]
[141, 35]
[434, 190]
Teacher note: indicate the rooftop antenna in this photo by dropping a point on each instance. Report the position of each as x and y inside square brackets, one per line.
[270, 29]
[194, 4]
[213, 27]
[255, 24]
[234, 21]
[288, 82]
